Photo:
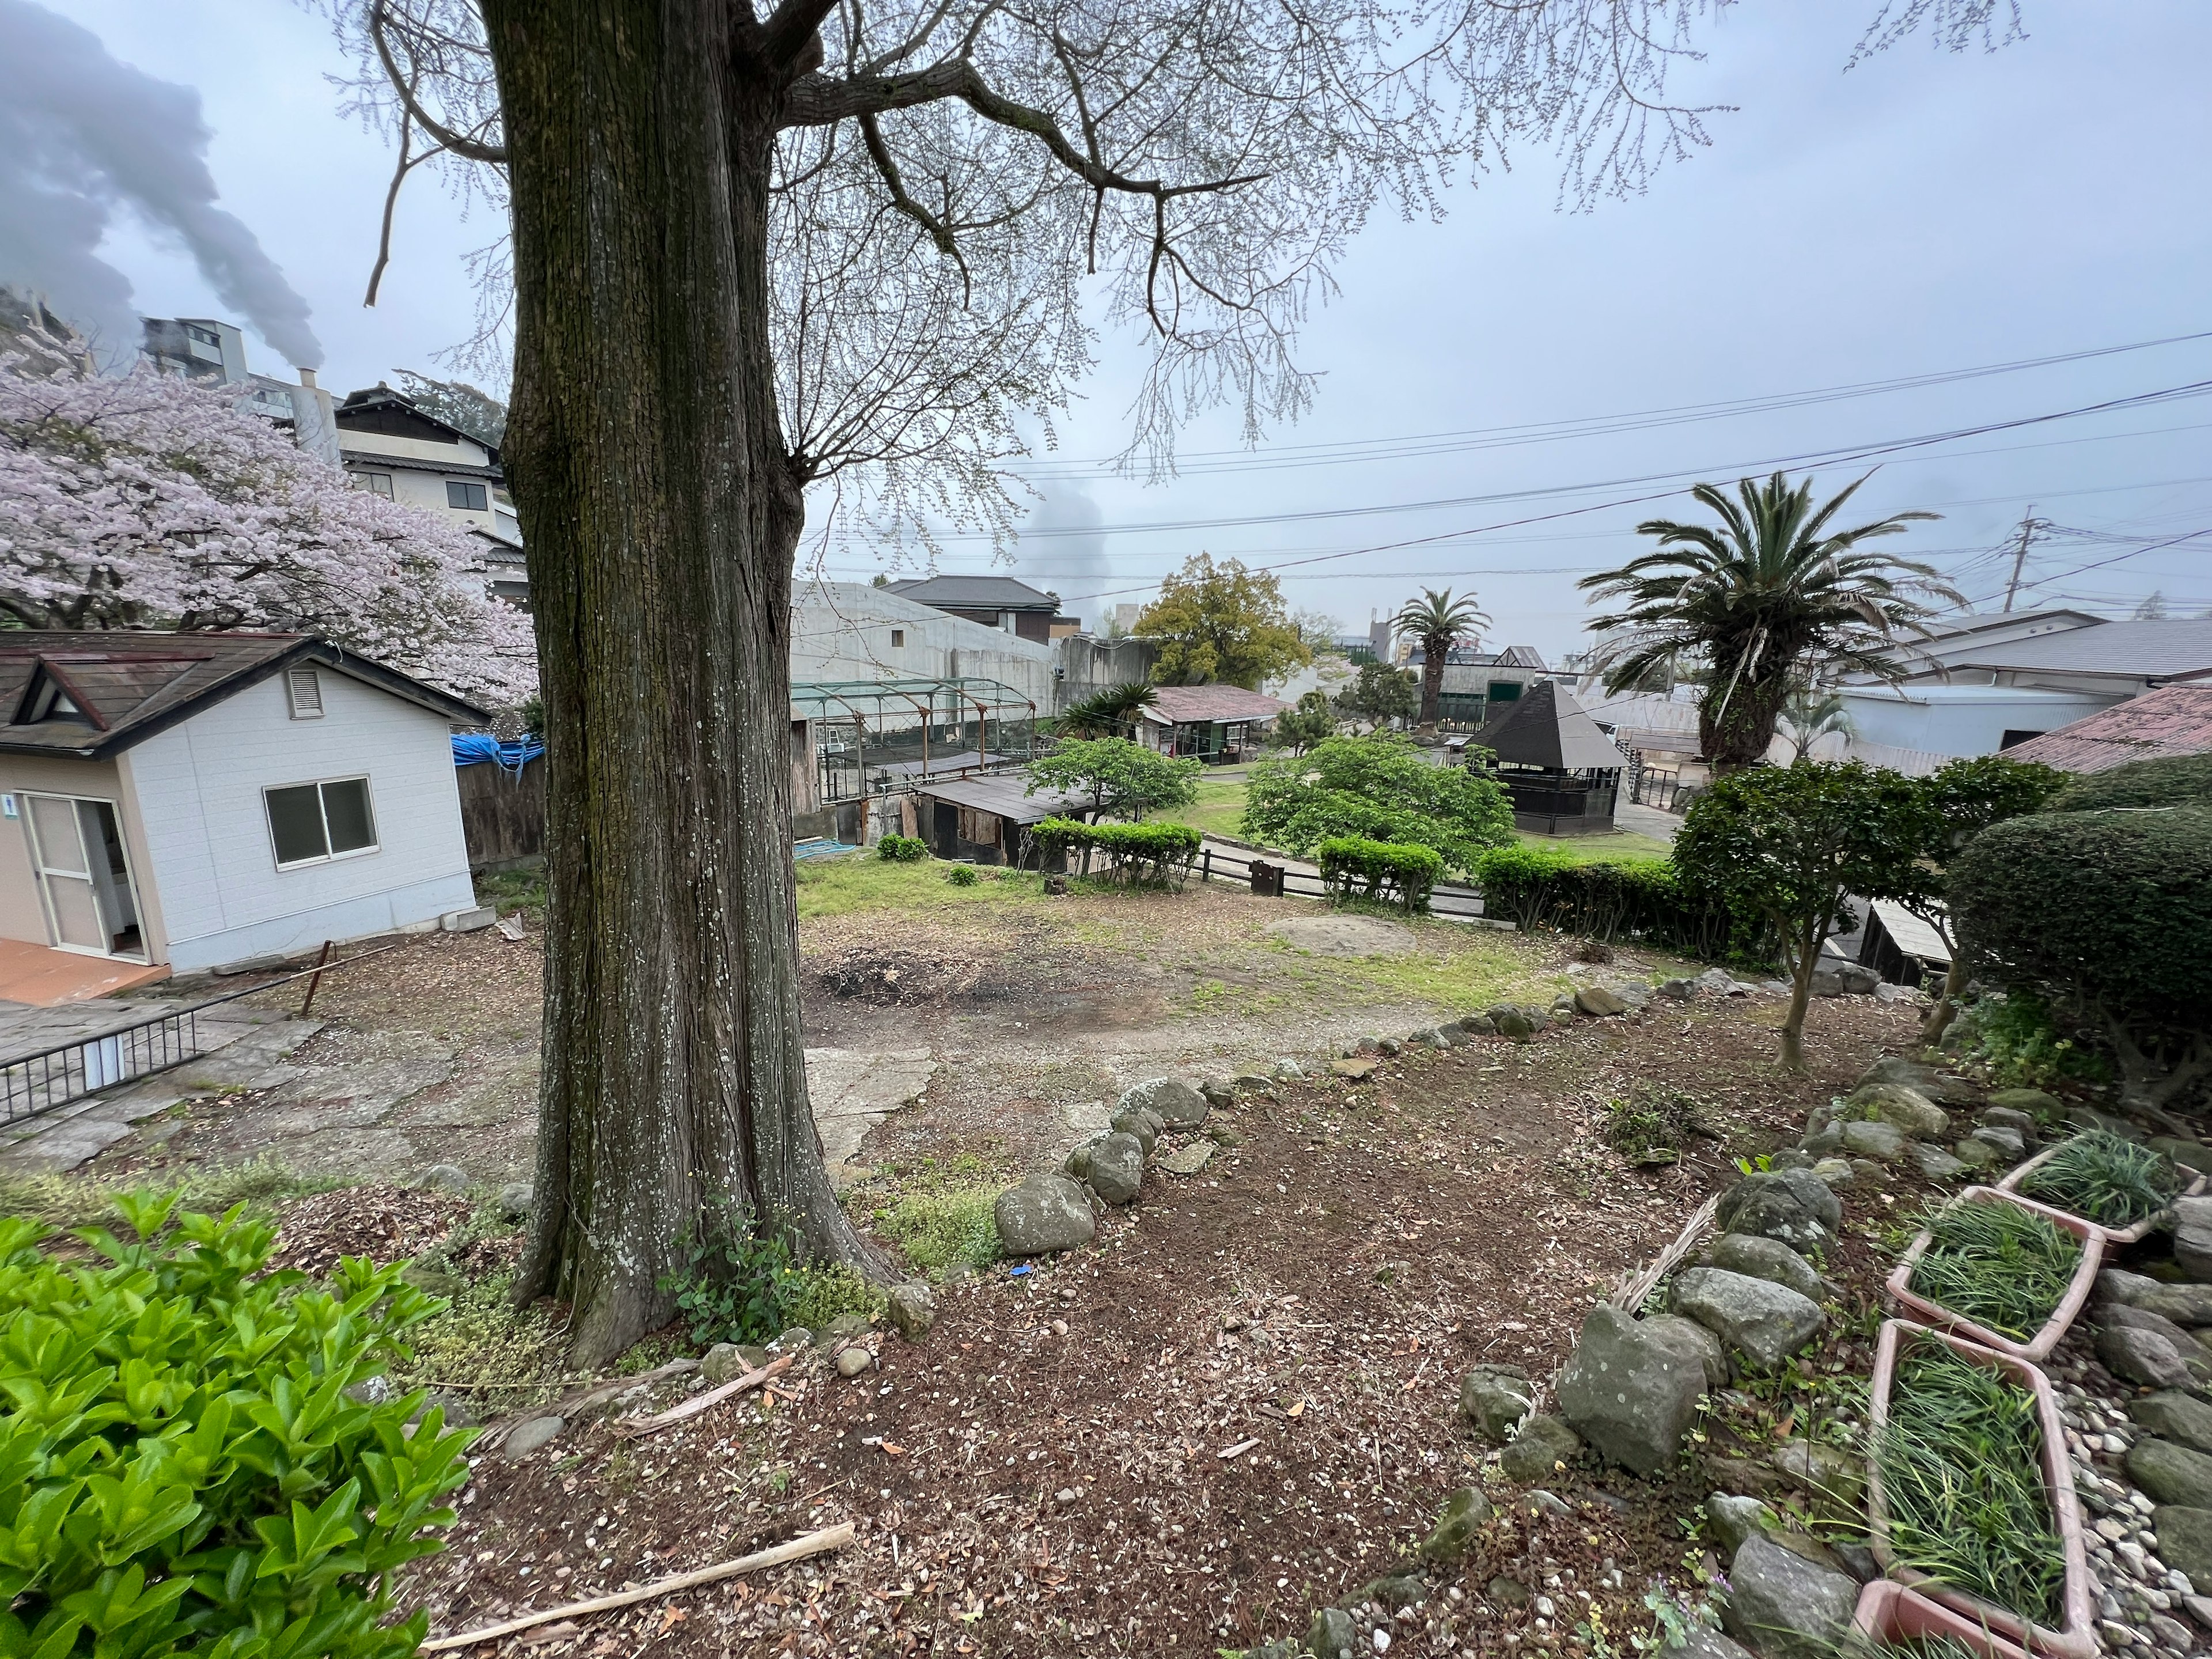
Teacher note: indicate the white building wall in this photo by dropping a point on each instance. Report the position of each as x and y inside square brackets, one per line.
[198, 789]
[843, 631]
[1959, 719]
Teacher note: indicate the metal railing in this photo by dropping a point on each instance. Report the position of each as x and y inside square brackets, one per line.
[49, 1078]
[1271, 880]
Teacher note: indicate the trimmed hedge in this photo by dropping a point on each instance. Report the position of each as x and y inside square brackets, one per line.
[901, 850]
[183, 1466]
[1142, 854]
[1389, 872]
[2172, 780]
[1637, 898]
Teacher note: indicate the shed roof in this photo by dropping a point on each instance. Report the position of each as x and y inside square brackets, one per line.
[1175, 705]
[973, 593]
[1911, 935]
[1546, 727]
[1004, 795]
[2174, 719]
[129, 685]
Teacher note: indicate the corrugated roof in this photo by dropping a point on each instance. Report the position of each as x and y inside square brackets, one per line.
[2135, 649]
[129, 685]
[973, 593]
[2174, 719]
[1174, 705]
[1004, 794]
[1546, 727]
[1911, 935]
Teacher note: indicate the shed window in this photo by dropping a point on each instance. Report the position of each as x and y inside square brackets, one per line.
[315, 823]
[982, 828]
[898, 637]
[467, 497]
[303, 691]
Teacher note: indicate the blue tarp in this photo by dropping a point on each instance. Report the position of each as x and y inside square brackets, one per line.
[476, 748]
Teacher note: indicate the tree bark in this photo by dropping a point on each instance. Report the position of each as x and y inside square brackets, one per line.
[1947, 1001]
[661, 511]
[1791, 1056]
[1432, 679]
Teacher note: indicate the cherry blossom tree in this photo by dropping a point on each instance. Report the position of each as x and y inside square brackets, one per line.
[148, 502]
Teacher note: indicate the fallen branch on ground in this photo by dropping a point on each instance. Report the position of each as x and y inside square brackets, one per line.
[571, 1404]
[814, 1543]
[1630, 1296]
[633, 1427]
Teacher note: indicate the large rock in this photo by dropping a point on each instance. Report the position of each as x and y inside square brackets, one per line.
[1710, 1348]
[1768, 1258]
[2042, 1107]
[2176, 1417]
[1868, 1138]
[1139, 1120]
[1794, 1205]
[1765, 1321]
[1892, 1103]
[1495, 1398]
[1858, 980]
[1735, 1519]
[1117, 1168]
[2170, 1473]
[1598, 1003]
[1511, 1022]
[2185, 1540]
[2009, 1139]
[2185, 1304]
[1221, 1089]
[1936, 1165]
[1179, 1105]
[1045, 1213]
[2190, 1154]
[2142, 1319]
[1632, 1390]
[1897, 1069]
[911, 1309]
[1463, 1514]
[1702, 1643]
[526, 1437]
[1333, 1636]
[2192, 1237]
[1784, 1606]
[1543, 1443]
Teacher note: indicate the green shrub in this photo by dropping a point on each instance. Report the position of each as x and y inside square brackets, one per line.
[2104, 916]
[2170, 781]
[735, 1282]
[1378, 787]
[1652, 1126]
[1382, 871]
[961, 875]
[937, 1230]
[2022, 1042]
[820, 1294]
[183, 1468]
[1538, 887]
[1144, 855]
[901, 850]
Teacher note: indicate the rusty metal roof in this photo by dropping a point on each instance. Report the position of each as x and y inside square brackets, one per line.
[2174, 719]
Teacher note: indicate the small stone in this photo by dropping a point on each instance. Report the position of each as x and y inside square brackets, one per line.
[1766, 1321]
[851, 1362]
[1332, 1635]
[1138, 1121]
[1179, 1105]
[1463, 1512]
[2171, 1632]
[2200, 1609]
[911, 1309]
[1598, 1003]
[1870, 1139]
[1678, 990]
[1189, 1160]
[1836, 1171]
[1117, 1168]
[1536, 1452]
[515, 1201]
[2008, 1139]
[2041, 1107]
[1835, 1479]
[1977, 1153]
[1357, 1070]
[1735, 1519]
[1066, 1495]
[1789, 1607]
[1507, 1592]
[1936, 1165]
[448, 1178]
[723, 1362]
[1495, 1399]
[526, 1437]
[1897, 1104]
[1219, 1089]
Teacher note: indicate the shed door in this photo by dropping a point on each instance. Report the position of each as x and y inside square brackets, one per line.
[84, 876]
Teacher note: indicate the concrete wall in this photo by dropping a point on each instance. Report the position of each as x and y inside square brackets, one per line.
[1960, 719]
[23, 916]
[198, 789]
[842, 631]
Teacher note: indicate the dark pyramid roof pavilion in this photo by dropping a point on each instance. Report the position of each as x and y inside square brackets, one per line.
[1546, 727]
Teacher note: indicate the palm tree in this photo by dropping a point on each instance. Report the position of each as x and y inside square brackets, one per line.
[1811, 712]
[1111, 711]
[1768, 591]
[1439, 622]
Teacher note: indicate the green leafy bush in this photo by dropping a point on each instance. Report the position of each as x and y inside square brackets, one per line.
[736, 1283]
[961, 875]
[2170, 781]
[1378, 787]
[901, 850]
[183, 1468]
[2104, 915]
[1118, 778]
[1146, 855]
[821, 1293]
[941, 1228]
[1643, 899]
[2022, 1042]
[1385, 872]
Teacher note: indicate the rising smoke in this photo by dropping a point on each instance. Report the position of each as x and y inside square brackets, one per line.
[1071, 559]
[83, 135]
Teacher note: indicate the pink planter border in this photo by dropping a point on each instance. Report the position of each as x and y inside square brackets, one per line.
[1889, 1613]
[2078, 1294]
[2078, 1638]
[2142, 1229]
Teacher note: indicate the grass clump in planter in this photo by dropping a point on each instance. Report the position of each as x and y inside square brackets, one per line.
[2104, 1178]
[1962, 1478]
[2002, 1267]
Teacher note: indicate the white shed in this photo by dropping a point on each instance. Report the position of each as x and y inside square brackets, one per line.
[179, 801]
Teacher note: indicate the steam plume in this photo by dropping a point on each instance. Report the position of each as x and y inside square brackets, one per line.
[82, 135]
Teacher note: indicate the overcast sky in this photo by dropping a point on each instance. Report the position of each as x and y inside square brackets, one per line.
[1926, 212]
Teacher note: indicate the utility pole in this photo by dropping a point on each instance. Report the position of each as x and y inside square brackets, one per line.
[2020, 555]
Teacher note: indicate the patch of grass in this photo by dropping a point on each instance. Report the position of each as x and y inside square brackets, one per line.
[818, 1295]
[1617, 847]
[2004, 1267]
[483, 1344]
[1218, 810]
[70, 1200]
[939, 1229]
[2103, 1178]
[509, 890]
[856, 886]
[1961, 1471]
[1651, 1126]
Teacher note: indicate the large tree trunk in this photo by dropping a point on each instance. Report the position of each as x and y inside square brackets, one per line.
[661, 513]
[1432, 680]
[1740, 734]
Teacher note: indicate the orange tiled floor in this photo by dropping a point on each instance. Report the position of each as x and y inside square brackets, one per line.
[47, 978]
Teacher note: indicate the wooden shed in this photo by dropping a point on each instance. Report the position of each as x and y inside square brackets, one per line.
[1562, 773]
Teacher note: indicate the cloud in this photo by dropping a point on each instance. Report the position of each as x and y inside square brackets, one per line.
[81, 137]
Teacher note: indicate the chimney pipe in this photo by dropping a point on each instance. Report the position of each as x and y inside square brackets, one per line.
[306, 377]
